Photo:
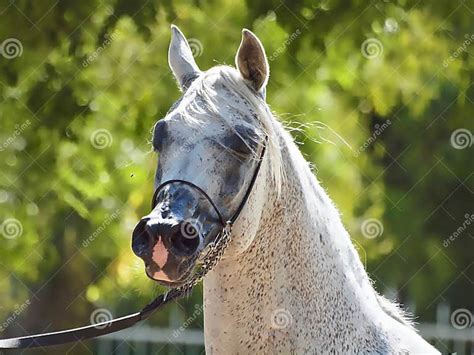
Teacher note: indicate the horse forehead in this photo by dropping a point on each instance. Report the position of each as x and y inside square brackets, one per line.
[209, 122]
[212, 103]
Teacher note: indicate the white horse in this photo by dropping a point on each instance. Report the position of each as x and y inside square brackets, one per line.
[290, 281]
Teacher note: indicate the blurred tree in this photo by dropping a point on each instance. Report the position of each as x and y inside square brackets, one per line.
[386, 82]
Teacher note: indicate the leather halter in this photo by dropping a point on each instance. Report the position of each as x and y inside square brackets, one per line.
[114, 325]
[154, 201]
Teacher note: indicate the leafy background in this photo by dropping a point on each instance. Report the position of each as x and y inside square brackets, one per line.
[92, 79]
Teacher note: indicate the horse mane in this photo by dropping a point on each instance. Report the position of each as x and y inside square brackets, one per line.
[230, 80]
[394, 310]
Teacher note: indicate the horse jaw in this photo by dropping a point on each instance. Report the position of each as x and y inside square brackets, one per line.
[299, 287]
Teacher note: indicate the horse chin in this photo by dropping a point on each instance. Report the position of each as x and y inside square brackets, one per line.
[181, 280]
[170, 284]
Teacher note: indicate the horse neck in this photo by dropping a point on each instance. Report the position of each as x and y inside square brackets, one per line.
[301, 263]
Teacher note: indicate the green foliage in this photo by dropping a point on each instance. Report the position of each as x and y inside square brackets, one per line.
[94, 74]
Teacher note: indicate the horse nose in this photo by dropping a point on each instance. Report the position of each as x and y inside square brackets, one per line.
[143, 239]
[180, 238]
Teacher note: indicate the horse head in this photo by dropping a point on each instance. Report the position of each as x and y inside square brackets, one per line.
[208, 145]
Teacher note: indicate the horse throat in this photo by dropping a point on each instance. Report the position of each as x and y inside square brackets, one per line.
[300, 285]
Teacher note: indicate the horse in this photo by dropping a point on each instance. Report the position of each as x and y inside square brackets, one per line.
[290, 280]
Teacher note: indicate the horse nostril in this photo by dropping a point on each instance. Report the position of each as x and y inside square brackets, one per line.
[185, 238]
[182, 238]
[142, 239]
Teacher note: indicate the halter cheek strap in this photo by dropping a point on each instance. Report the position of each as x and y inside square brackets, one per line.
[212, 257]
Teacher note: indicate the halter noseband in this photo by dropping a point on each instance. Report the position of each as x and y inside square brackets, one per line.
[154, 200]
[214, 252]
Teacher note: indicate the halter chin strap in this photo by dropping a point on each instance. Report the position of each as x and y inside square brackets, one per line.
[212, 257]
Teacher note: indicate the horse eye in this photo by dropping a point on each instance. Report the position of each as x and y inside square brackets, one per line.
[244, 141]
[159, 135]
[237, 144]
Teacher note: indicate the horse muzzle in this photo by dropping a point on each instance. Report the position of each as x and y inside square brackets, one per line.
[171, 238]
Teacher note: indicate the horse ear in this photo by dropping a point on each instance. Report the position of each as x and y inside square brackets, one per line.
[181, 60]
[252, 61]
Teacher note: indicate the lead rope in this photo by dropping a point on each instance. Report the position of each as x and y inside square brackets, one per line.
[213, 255]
